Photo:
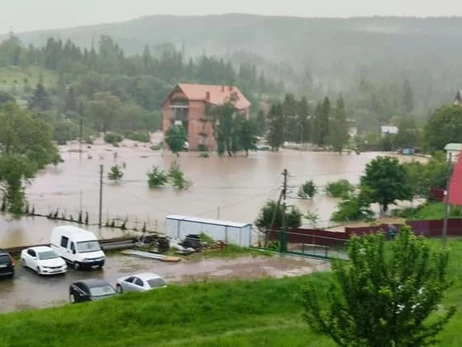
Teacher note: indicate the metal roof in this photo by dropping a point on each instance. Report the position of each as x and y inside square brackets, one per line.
[453, 147]
[208, 221]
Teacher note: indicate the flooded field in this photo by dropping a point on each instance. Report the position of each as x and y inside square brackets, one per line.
[28, 290]
[227, 188]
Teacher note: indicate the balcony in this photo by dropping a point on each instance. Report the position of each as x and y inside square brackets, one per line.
[179, 113]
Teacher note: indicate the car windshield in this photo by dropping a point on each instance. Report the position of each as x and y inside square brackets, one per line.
[47, 255]
[4, 259]
[102, 291]
[156, 282]
[88, 246]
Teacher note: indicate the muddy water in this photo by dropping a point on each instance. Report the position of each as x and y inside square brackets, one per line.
[226, 188]
[28, 290]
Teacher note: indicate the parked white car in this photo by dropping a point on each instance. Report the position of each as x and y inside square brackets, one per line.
[43, 260]
[142, 282]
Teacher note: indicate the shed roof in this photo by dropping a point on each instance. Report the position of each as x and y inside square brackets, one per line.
[453, 147]
[218, 94]
[389, 129]
[208, 221]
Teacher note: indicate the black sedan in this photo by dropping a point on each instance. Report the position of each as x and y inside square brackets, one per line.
[90, 290]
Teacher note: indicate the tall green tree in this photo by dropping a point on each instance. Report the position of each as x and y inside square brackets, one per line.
[260, 123]
[225, 126]
[443, 127]
[25, 148]
[338, 127]
[247, 134]
[386, 181]
[275, 124]
[384, 296]
[321, 122]
[40, 100]
[408, 132]
[303, 112]
[176, 138]
[292, 124]
[104, 111]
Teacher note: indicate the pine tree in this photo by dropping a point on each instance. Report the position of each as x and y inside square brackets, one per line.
[71, 102]
[338, 128]
[275, 124]
[303, 113]
[40, 99]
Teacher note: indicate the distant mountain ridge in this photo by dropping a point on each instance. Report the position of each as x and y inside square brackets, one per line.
[337, 52]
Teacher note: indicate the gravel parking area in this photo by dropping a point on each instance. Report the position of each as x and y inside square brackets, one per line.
[28, 290]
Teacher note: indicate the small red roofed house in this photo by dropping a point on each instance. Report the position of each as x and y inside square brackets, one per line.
[186, 105]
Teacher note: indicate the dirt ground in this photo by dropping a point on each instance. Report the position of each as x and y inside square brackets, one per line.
[28, 290]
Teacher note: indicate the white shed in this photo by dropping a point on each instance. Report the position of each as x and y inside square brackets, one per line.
[453, 151]
[230, 232]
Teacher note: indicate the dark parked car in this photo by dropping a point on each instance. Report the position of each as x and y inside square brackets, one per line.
[6, 264]
[90, 290]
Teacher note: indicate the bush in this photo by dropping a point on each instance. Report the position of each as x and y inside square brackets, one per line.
[137, 136]
[115, 174]
[157, 147]
[339, 189]
[177, 178]
[157, 178]
[353, 208]
[113, 138]
[307, 190]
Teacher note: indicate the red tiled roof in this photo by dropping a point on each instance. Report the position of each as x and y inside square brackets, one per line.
[217, 94]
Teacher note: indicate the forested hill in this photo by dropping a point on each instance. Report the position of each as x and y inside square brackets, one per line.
[338, 54]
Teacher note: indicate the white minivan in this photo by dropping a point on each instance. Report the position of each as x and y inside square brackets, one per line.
[78, 247]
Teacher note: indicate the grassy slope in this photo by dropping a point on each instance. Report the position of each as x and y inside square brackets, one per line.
[253, 313]
[12, 79]
[430, 211]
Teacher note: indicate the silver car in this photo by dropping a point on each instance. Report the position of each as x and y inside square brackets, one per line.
[142, 282]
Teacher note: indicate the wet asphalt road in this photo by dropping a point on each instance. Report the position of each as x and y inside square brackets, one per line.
[29, 290]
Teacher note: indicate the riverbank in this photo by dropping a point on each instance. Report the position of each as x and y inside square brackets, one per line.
[264, 312]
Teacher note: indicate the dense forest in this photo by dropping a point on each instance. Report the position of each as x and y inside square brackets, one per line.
[315, 56]
[387, 70]
[109, 89]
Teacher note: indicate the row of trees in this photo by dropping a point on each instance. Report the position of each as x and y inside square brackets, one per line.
[294, 121]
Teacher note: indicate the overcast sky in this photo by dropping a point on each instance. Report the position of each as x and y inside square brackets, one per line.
[26, 15]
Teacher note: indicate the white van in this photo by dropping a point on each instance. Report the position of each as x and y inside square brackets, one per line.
[78, 247]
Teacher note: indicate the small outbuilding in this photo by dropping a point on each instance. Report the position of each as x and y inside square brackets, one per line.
[178, 227]
[453, 151]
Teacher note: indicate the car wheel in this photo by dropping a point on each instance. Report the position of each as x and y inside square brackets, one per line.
[76, 266]
[119, 289]
[23, 261]
[72, 298]
[38, 270]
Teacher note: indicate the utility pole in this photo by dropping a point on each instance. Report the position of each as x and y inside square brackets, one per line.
[80, 140]
[283, 232]
[100, 220]
[284, 187]
[447, 206]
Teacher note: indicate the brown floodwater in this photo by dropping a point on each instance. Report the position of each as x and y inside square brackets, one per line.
[226, 188]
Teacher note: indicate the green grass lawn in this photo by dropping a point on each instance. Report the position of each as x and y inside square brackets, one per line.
[239, 313]
[429, 211]
[14, 79]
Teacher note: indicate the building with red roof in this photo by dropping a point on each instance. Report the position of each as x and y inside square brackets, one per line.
[186, 105]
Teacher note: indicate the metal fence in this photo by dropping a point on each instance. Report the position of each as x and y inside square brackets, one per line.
[314, 243]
